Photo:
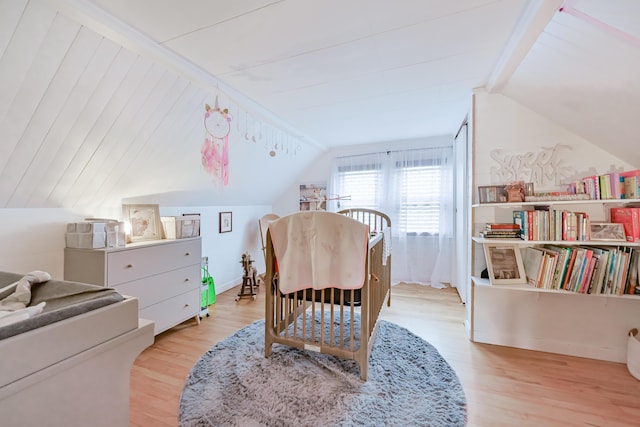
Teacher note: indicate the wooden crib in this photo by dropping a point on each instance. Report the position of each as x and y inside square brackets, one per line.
[333, 321]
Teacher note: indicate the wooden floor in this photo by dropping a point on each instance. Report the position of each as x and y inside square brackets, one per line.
[503, 386]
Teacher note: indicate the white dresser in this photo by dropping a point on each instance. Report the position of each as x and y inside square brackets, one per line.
[164, 275]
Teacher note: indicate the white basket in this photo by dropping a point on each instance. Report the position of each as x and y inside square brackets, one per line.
[633, 353]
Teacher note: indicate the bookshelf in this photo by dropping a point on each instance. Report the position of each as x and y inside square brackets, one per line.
[509, 142]
[551, 320]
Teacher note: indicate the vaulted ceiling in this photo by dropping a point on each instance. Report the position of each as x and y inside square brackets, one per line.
[104, 100]
[341, 72]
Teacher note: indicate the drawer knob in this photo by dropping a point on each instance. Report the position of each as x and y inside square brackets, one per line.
[187, 254]
[187, 279]
[186, 305]
[129, 265]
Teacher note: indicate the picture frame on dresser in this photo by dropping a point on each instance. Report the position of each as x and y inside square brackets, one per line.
[144, 222]
[225, 222]
[504, 264]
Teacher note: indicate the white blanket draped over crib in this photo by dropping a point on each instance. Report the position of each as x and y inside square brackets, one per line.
[319, 251]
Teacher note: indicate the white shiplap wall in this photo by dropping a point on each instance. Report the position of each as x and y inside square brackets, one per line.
[86, 122]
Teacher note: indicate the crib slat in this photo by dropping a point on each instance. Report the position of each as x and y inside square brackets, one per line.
[322, 319]
[352, 336]
[304, 318]
[341, 318]
[331, 310]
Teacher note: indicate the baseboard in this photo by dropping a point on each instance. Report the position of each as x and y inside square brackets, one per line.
[549, 346]
[228, 285]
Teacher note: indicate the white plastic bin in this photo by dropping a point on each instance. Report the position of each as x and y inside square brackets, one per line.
[633, 353]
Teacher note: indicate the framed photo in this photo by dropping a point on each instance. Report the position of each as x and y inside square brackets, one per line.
[225, 222]
[313, 197]
[504, 264]
[144, 222]
[607, 231]
[492, 194]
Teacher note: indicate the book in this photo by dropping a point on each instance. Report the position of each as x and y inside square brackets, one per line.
[570, 226]
[617, 185]
[617, 271]
[520, 217]
[500, 234]
[533, 262]
[582, 226]
[568, 271]
[607, 285]
[605, 186]
[551, 260]
[502, 226]
[584, 285]
[632, 280]
[629, 217]
[631, 184]
[601, 255]
[578, 269]
[563, 262]
[592, 186]
[623, 270]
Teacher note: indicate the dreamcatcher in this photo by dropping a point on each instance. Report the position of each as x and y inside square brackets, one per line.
[215, 149]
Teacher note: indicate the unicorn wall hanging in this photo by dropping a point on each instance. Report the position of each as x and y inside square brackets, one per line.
[215, 149]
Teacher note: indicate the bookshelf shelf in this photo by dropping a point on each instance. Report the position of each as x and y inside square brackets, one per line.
[556, 242]
[485, 283]
[558, 202]
[480, 281]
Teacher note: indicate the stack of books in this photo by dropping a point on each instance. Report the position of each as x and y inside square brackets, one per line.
[501, 230]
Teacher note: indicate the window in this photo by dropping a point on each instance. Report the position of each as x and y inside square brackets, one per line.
[361, 184]
[420, 209]
[408, 185]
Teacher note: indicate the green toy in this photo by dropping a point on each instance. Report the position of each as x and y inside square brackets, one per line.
[208, 297]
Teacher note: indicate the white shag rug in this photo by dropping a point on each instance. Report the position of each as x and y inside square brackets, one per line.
[409, 384]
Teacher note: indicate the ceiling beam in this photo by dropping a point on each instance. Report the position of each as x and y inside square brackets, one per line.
[531, 24]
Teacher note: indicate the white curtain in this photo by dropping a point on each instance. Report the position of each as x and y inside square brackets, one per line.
[415, 188]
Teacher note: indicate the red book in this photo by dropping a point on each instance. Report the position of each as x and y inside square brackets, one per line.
[630, 219]
[503, 226]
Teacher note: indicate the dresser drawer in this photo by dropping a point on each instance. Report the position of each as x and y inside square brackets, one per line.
[170, 312]
[160, 287]
[138, 263]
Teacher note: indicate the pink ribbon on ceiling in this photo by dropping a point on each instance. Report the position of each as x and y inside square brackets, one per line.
[568, 7]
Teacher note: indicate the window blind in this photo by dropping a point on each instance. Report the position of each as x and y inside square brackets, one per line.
[417, 181]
